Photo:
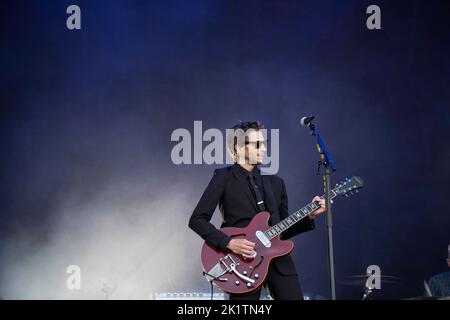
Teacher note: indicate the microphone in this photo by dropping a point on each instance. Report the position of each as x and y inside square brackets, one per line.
[305, 121]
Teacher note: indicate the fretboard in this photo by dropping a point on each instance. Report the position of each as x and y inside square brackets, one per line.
[295, 217]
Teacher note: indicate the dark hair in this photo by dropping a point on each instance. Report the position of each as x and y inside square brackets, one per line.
[244, 126]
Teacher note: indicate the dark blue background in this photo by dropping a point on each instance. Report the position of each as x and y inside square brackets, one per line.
[81, 110]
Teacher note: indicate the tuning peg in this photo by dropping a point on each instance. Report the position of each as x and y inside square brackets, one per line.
[346, 195]
[356, 190]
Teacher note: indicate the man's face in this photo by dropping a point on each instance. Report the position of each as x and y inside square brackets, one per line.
[448, 262]
[254, 148]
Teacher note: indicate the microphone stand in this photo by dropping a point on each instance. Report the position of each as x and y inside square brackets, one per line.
[328, 163]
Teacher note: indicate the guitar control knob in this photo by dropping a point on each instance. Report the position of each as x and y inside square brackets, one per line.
[256, 276]
[237, 282]
[249, 284]
[244, 273]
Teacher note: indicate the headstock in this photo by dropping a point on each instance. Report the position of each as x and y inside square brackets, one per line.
[348, 186]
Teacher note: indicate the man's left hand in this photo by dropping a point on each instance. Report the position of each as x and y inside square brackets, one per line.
[320, 210]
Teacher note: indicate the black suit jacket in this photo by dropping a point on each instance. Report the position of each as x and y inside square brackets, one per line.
[231, 192]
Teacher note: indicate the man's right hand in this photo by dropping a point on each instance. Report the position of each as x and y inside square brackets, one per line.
[242, 247]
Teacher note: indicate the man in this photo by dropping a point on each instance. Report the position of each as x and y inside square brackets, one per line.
[241, 192]
[439, 284]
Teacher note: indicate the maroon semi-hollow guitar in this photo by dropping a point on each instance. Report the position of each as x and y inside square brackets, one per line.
[231, 273]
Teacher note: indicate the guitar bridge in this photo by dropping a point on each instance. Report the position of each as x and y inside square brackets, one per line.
[220, 269]
[217, 271]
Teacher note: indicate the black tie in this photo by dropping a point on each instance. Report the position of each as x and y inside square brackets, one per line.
[257, 190]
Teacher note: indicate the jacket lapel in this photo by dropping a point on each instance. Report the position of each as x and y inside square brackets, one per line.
[245, 187]
[271, 204]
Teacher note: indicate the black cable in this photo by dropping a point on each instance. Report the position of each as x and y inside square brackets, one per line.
[210, 282]
[212, 289]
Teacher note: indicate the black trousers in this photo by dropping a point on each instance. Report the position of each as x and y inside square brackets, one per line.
[281, 287]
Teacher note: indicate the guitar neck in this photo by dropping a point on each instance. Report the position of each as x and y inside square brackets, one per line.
[292, 219]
